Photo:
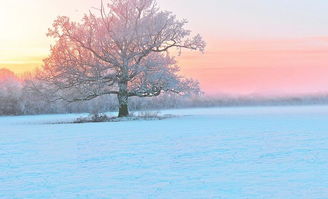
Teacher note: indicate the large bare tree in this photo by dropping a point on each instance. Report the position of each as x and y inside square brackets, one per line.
[123, 50]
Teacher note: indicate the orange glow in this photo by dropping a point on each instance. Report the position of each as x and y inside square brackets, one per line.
[21, 65]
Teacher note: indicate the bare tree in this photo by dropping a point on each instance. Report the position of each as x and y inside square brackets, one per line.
[122, 50]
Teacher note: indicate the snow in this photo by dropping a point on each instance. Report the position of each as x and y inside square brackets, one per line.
[228, 153]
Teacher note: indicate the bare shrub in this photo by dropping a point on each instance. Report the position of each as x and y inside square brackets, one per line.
[93, 118]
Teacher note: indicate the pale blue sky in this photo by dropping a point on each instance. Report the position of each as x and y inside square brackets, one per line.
[26, 21]
[255, 18]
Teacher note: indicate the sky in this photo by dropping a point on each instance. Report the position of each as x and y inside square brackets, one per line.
[255, 47]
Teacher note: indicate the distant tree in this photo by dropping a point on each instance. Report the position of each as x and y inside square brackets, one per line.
[123, 50]
[10, 93]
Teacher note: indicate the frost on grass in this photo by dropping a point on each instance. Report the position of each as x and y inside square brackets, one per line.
[146, 115]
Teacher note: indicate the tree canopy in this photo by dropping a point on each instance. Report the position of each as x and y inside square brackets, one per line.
[123, 48]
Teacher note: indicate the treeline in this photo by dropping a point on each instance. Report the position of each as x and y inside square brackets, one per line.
[16, 98]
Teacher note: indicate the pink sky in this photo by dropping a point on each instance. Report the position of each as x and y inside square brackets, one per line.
[259, 47]
[262, 67]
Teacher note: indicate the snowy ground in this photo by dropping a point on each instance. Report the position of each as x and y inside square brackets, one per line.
[228, 153]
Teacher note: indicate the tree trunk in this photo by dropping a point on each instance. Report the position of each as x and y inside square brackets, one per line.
[123, 100]
[123, 106]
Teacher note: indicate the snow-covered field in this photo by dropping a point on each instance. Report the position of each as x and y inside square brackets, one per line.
[219, 153]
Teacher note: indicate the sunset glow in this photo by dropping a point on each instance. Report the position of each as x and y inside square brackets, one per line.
[276, 54]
